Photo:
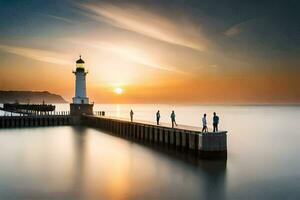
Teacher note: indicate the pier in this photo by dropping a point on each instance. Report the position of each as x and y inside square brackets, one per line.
[28, 109]
[37, 120]
[186, 139]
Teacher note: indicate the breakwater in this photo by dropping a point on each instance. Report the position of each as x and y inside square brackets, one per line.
[37, 120]
[183, 139]
[188, 140]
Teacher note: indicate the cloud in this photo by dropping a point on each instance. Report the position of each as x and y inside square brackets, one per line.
[128, 53]
[36, 54]
[60, 19]
[149, 24]
[236, 29]
[233, 31]
[133, 55]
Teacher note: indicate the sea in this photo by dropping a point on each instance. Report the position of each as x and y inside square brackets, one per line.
[85, 163]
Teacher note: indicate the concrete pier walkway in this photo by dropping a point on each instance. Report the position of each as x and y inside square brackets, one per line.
[183, 138]
[163, 124]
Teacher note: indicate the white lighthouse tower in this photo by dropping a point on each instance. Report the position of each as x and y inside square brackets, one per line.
[80, 103]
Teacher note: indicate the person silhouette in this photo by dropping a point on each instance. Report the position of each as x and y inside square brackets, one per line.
[204, 124]
[215, 122]
[131, 115]
[173, 116]
[157, 117]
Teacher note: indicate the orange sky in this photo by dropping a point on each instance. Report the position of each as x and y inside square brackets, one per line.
[152, 55]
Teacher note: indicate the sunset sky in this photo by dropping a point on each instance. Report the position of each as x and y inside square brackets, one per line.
[166, 51]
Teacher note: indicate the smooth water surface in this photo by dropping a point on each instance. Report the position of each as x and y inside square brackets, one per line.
[84, 163]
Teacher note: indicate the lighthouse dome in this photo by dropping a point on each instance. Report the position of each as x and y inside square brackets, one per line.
[80, 63]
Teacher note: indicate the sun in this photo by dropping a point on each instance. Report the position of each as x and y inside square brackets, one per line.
[118, 90]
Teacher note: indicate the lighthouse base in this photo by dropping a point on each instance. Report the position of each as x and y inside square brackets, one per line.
[78, 109]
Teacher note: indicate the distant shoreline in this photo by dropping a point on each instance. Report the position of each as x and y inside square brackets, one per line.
[30, 97]
[207, 104]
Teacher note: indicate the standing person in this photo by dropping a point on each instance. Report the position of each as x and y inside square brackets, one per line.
[215, 122]
[173, 116]
[157, 117]
[204, 124]
[131, 115]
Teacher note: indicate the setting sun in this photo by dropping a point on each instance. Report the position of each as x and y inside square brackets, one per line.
[118, 90]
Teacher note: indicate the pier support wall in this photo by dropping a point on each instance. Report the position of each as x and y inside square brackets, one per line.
[40, 120]
[205, 145]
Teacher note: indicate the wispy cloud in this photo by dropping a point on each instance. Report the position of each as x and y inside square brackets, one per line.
[63, 19]
[233, 31]
[236, 29]
[135, 56]
[149, 24]
[130, 54]
[36, 54]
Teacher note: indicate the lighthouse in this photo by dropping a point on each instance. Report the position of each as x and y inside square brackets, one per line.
[80, 104]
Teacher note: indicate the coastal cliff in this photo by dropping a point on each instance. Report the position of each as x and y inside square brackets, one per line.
[30, 97]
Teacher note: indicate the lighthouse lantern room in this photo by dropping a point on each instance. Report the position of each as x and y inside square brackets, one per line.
[80, 104]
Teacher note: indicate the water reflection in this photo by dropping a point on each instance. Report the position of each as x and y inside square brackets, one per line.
[213, 172]
[79, 148]
[112, 168]
[118, 110]
[85, 163]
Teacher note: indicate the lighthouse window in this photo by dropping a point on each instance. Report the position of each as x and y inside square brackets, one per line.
[79, 65]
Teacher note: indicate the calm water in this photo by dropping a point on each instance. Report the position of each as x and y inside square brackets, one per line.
[85, 163]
